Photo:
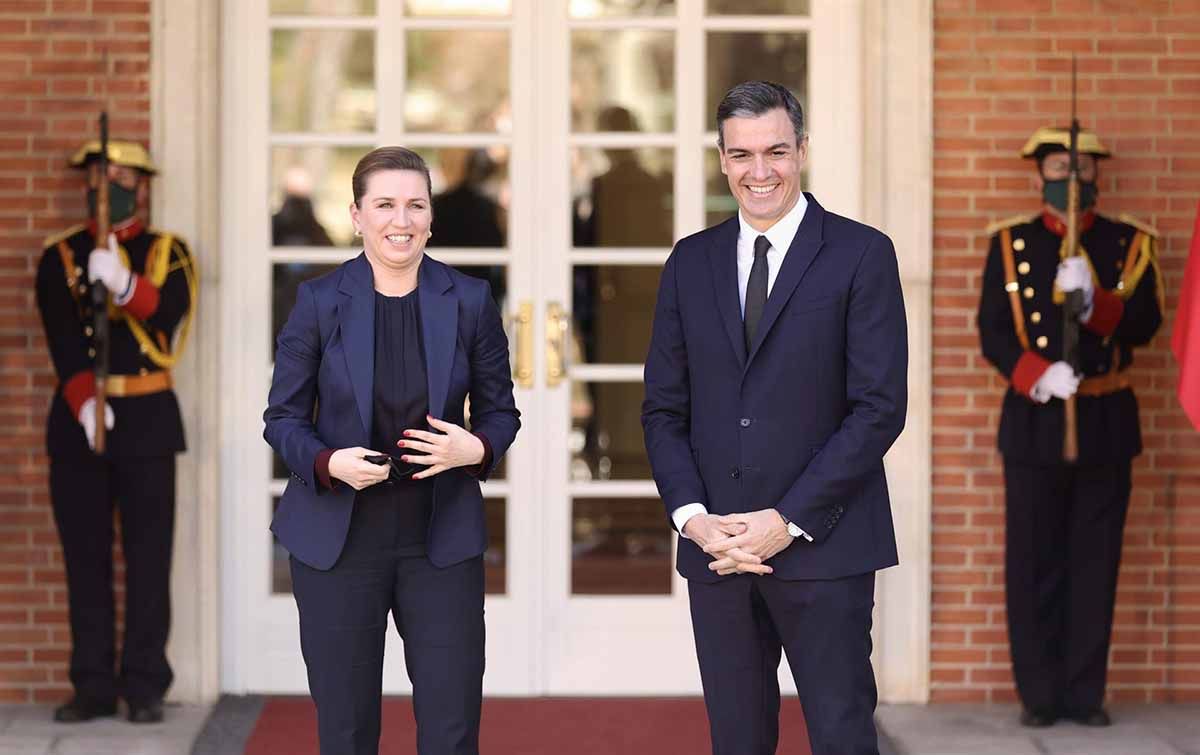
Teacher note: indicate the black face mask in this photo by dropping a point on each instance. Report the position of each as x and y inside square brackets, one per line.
[1054, 193]
[122, 202]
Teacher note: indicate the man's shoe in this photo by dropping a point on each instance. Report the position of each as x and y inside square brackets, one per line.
[1097, 717]
[1036, 719]
[79, 709]
[146, 713]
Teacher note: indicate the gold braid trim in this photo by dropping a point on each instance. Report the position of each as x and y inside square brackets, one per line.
[1142, 255]
[158, 266]
[1013, 287]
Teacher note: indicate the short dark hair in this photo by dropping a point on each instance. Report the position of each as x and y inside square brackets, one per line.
[387, 158]
[751, 99]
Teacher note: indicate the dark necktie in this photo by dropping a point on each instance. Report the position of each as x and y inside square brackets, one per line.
[756, 289]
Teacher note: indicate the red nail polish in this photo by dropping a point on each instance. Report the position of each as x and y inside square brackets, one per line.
[400, 443]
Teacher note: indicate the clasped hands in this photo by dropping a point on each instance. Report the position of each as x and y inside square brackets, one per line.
[740, 543]
[451, 446]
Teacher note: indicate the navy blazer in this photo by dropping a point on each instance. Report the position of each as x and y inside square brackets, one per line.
[325, 366]
[801, 422]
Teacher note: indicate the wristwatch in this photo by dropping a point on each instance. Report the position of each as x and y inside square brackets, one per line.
[794, 530]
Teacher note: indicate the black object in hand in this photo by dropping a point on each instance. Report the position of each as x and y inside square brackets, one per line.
[400, 470]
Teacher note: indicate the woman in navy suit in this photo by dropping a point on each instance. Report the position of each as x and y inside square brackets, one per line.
[383, 513]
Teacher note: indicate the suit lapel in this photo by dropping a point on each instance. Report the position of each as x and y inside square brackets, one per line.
[356, 318]
[803, 250]
[439, 329]
[722, 258]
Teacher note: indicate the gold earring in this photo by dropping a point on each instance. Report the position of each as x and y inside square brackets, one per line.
[357, 232]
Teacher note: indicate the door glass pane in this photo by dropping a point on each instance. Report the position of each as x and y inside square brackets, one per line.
[734, 57]
[622, 80]
[719, 204]
[458, 7]
[758, 7]
[457, 81]
[623, 197]
[620, 546]
[613, 309]
[286, 278]
[322, 80]
[495, 558]
[323, 7]
[311, 195]
[471, 196]
[602, 8]
[606, 432]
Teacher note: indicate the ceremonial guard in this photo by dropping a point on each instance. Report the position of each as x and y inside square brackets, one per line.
[1069, 424]
[114, 427]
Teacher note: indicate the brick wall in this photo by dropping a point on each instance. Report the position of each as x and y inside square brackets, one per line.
[1002, 68]
[55, 77]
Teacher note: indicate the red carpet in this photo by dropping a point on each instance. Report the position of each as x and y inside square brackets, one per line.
[544, 726]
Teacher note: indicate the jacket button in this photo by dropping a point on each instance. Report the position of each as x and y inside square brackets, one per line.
[735, 473]
[745, 422]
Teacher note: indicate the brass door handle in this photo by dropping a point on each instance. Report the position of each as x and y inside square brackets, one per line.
[558, 324]
[523, 368]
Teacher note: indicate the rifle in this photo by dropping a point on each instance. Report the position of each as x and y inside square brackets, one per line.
[100, 323]
[1073, 300]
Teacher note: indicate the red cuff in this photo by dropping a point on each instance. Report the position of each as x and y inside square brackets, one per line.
[78, 389]
[479, 471]
[144, 301]
[1107, 309]
[1027, 371]
[321, 468]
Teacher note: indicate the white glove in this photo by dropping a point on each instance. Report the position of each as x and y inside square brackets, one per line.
[1075, 275]
[1058, 381]
[105, 265]
[87, 418]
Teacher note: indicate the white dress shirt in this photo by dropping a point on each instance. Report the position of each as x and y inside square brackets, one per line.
[780, 235]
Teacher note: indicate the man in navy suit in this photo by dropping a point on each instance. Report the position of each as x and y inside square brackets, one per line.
[775, 383]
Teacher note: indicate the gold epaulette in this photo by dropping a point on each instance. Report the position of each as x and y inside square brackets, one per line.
[54, 238]
[1000, 225]
[1145, 227]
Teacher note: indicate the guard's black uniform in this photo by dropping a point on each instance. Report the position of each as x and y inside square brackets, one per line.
[137, 472]
[1065, 520]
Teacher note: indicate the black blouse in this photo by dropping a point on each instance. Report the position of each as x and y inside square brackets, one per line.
[394, 516]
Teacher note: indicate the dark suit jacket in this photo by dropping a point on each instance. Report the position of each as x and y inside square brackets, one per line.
[802, 422]
[326, 360]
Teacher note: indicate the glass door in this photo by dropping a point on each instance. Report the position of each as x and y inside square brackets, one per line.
[571, 142]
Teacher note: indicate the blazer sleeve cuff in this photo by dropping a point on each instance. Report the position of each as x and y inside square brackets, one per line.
[78, 389]
[481, 470]
[144, 301]
[321, 468]
[1027, 371]
[1107, 309]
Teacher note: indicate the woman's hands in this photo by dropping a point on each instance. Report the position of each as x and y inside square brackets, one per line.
[451, 447]
[349, 466]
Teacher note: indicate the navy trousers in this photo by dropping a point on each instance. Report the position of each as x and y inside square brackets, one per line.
[1063, 552]
[343, 622]
[743, 623]
[83, 492]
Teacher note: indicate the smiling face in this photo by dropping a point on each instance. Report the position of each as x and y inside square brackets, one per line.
[394, 215]
[762, 161]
